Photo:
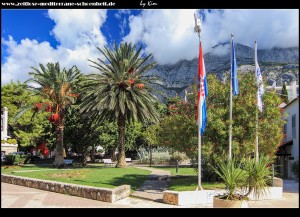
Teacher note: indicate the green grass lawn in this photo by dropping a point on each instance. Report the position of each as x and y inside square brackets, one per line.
[92, 175]
[181, 170]
[191, 183]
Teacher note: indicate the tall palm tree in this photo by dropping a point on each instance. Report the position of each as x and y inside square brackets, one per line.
[121, 91]
[57, 87]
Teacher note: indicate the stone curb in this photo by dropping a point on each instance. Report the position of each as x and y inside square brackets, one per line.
[95, 193]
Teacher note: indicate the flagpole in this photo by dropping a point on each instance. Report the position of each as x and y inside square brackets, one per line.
[256, 146]
[198, 30]
[230, 105]
[199, 147]
[257, 99]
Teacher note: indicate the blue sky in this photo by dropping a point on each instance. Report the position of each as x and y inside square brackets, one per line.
[30, 37]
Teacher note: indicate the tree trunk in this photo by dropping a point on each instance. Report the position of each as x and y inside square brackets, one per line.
[150, 156]
[59, 157]
[121, 147]
[93, 154]
[112, 154]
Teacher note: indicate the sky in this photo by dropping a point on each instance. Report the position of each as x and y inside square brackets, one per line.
[71, 36]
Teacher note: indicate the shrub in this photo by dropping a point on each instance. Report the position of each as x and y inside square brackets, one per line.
[159, 156]
[12, 141]
[180, 156]
[15, 159]
[295, 168]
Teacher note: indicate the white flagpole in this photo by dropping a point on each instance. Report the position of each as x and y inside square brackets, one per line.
[199, 146]
[198, 30]
[257, 98]
[256, 146]
[230, 105]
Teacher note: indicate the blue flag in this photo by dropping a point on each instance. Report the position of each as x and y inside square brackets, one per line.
[234, 79]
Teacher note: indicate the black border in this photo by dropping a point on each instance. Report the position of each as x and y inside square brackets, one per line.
[151, 4]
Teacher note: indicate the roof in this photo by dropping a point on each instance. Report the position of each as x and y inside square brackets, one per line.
[282, 151]
[287, 143]
[291, 102]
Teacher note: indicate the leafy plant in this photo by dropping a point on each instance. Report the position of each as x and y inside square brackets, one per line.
[12, 141]
[245, 177]
[233, 176]
[180, 156]
[159, 156]
[258, 176]
[16, 159]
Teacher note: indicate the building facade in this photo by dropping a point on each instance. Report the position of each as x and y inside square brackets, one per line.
[288, 152]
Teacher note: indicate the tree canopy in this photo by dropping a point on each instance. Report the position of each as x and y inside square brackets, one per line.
[26, 131]
[179, 130]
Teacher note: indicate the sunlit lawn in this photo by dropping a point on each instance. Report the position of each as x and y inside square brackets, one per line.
[181, 170]
[92, 175]
[191, 183]
[189, 180]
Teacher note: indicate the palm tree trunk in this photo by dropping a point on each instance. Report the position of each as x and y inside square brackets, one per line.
[59, 158]
[121, 147]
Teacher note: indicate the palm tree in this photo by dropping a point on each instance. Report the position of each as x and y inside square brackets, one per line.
[57, 87]
[121, 91]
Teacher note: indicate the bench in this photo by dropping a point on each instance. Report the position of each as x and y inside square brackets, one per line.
[108, 161]
[128, 160]
[68, 162]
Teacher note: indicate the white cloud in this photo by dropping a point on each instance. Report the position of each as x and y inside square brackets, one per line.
[168, 34]
[170, 37]
[77, 26]
[120, 12]
[78, 32]
[270, 28]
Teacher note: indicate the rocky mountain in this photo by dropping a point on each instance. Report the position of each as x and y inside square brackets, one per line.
[278, 64]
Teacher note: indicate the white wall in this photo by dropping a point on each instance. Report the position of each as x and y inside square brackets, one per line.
[292, 109]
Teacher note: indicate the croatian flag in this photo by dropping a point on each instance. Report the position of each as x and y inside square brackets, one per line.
[259, 82]
[234, 79]
[202, 92]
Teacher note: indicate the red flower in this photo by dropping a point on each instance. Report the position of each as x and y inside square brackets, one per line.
[140, 86]
[38, 106]
[54, 118]
[131, 81]
[48, 107]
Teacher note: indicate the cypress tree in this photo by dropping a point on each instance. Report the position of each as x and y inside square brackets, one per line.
[284, 94]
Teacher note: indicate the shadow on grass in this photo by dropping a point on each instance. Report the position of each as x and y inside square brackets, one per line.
[134, 180]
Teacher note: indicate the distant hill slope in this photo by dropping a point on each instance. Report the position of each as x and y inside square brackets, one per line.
[280, 64]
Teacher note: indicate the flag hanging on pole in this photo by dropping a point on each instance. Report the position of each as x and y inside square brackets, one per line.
[259, 82]
[202, 91]
[234, 79]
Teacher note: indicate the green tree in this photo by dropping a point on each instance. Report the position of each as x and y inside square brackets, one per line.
[284, 93]
[120, 91]
[109, 136]
[26, 131]
[80, 133]
[180, 132]
[150, 136]
[58, 88]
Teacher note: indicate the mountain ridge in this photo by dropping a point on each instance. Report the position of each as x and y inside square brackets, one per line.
[277, 64]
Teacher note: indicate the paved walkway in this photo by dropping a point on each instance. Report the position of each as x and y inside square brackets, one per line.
[153, 188]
